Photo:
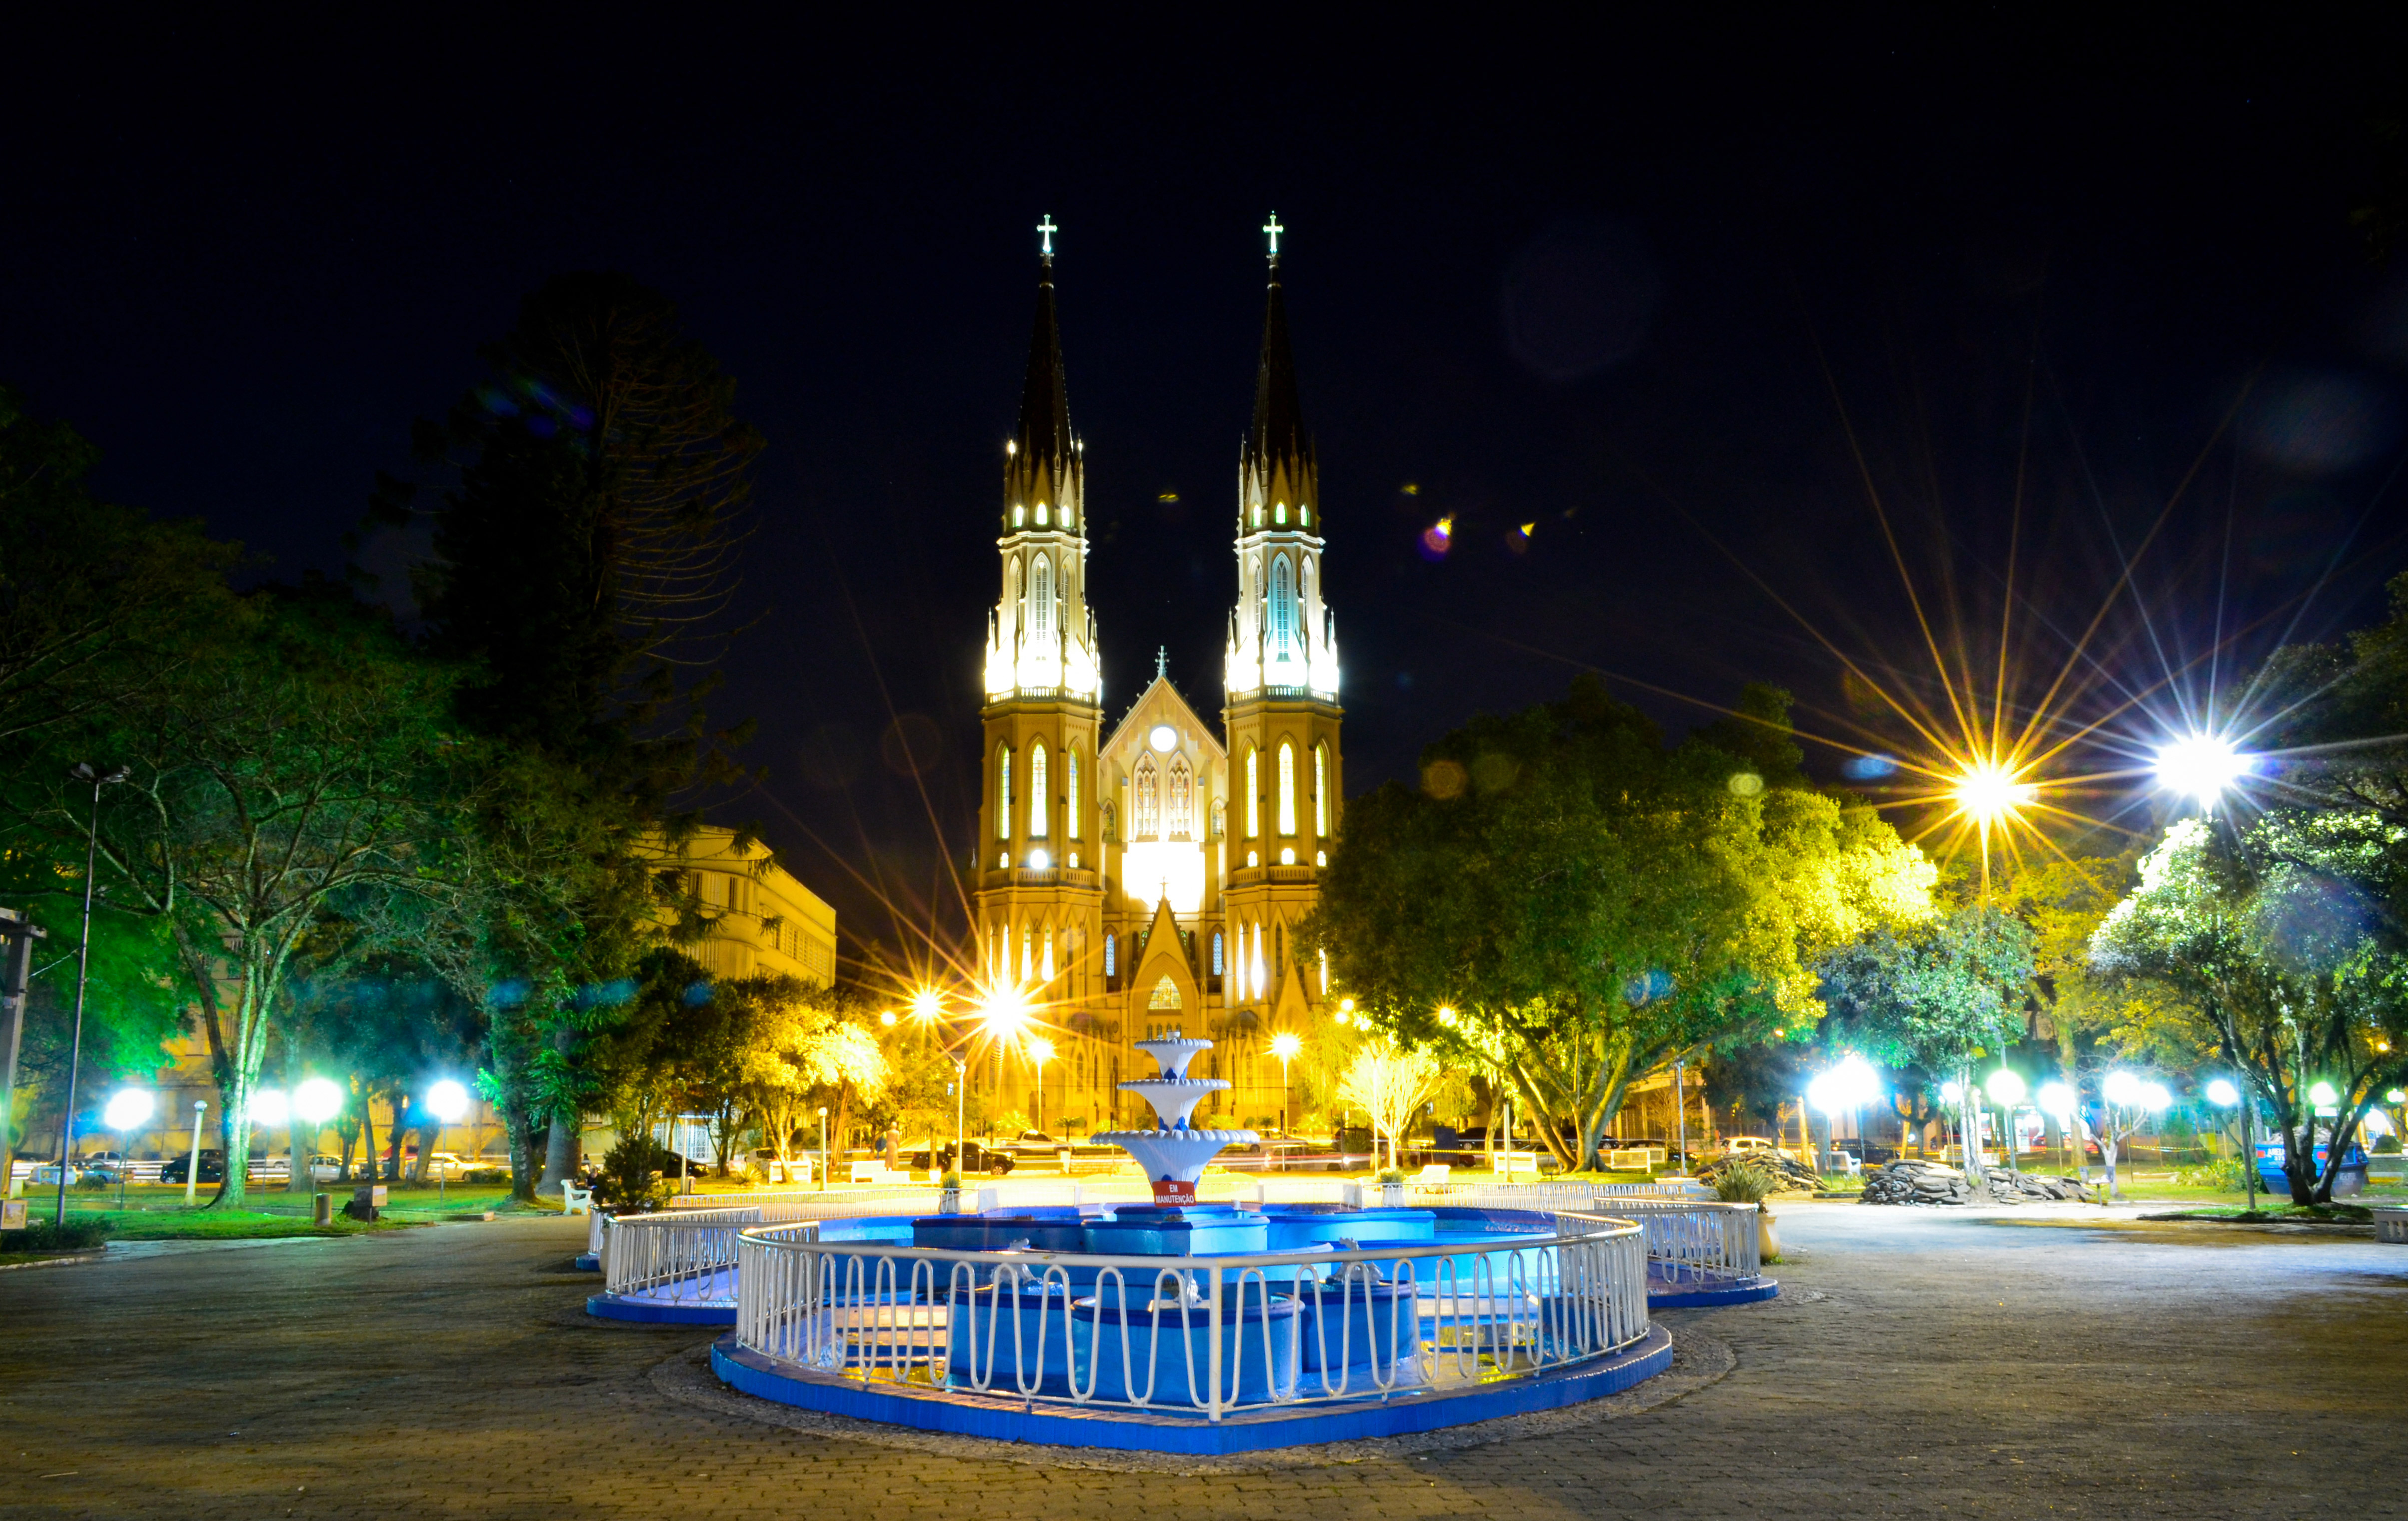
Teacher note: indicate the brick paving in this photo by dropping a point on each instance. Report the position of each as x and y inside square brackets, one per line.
[1950, 1367]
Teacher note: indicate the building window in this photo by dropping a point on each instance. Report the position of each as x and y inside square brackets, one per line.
[1037, 790]
[1321, 791]
[1254, 971]
[1216, 953]
[1048, 968]
[1003, 793]
[1112, 960]
[1254, 795]
[1286, 788]
[1041, 591]
[1181, 823]
[1283, 610]
[1164, 995]
[1028, 952]
[1149, 799]
[1070, 803]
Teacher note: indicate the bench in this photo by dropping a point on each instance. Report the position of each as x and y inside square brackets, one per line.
[877, 1173]
[574, 1200]
[1509, 1163]
[1434, 1175]
[2391, 1223]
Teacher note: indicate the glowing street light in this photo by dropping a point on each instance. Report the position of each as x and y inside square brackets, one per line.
[1040, 1050]
[448, 1101]
[1285, 1045]
[2224, 1094]
[2057, 1102]
[316, 1100]
[927, 1005]
[2202, 767]
[270, 1108]
[129, 1109]
[1847, 1086]
[1989, 793]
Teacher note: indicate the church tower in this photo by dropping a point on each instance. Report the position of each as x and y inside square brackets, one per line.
[1281, 716]
[1036, 878]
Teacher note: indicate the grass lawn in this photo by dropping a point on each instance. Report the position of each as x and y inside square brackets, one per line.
[152, 1214]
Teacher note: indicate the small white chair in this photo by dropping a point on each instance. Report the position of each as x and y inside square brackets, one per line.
[574, 1200]
[1433, 1175]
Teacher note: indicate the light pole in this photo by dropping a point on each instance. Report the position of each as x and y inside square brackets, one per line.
[827, 1152]
[2224, 1094]
[2006, 1089]
[85, 771]
[193, 1161]
[127, 1112]
[2057, 1101]
[1285, 1045]
[1040, 1050]
[270, 1108]
[448, 1101]
[317, 1100]
[1846, 1086]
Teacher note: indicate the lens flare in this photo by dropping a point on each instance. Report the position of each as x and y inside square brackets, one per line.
[2202, 767]
[1989, 794]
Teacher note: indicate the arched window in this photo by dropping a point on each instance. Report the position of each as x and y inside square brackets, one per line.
[1149, 799]
[1003, 791]
[1283, 610]
[1164, 996]
[1286, 788]
[1012, 602]
[1046, 970]
[1216, 953]
[1111, 958]
[1070, 802]
[1028, 952]
[1254, 969]
[1180, 824]
[1220, 817]
[1037, 790]
[1321, 790]
[1041, 599]
[1254, 793]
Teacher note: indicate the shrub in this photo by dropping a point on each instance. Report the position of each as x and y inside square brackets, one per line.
[95, 1180]
[1008, 1124]
[2386, 1146]
[632, 1174]
[1745, 1183]
[76, 1235]
[1386, 1175]
[486, 1174]
[2223, 1174]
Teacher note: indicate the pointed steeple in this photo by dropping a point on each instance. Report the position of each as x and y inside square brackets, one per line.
[1044, 431]
[1279, 417]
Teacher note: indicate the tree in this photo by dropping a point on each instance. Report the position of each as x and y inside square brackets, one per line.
[2277, 954]
[1567, 891]
[1390, 1086]
[304, 764]
[1935, 995]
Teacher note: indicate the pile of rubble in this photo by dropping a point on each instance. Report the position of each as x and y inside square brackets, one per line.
[1787, 1172]
[1912, 1182]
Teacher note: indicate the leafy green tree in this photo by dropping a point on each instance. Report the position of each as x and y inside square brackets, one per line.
[1568, 893]
[306, 764]
[1935, 995]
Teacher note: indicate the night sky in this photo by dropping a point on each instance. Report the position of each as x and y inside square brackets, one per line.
[1638, 290]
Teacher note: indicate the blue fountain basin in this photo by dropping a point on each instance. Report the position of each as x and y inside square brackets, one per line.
[1121, 1349]
[1019, 1339]
[1354, 1324]
[1297, 1226]
[1042, 1228]
[1154, 1230]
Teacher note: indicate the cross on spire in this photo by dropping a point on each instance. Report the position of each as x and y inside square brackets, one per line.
[1274, 229]
[1045, 231]
[1162, 660]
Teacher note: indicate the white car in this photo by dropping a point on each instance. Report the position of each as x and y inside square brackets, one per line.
[447, 1165]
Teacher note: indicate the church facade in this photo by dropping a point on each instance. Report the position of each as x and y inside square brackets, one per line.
[1142, 873]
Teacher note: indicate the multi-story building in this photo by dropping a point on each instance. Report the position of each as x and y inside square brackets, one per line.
[1148, 876]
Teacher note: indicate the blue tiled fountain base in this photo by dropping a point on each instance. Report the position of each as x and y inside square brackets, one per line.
[589, 1262]
[1289, 1426]
[1684, 1288]
[690, 1301]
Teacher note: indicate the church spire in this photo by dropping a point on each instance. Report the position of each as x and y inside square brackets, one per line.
[1041, 636]
[1281, 634]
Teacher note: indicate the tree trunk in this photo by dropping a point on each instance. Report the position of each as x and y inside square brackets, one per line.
[522, 1169]
[297, 1129]
[559, 1154]
[400, 1102]
[367, 1131]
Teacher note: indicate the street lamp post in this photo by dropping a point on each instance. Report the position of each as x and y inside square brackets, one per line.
[85, 771]
[1040, 1050]
[448, 1101]
[2222, 1092]
[270, 1108]
[1285, 1045]
[127, 1111]
[827, 1151]
[193, 1161]
[2006, 1088]
[316, 1100]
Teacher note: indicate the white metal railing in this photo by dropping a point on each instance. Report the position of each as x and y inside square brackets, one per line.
[1194, 1335]
[1697, 1235]
[682, 1257]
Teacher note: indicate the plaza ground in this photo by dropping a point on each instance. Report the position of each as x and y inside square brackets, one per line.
[2059, 1361]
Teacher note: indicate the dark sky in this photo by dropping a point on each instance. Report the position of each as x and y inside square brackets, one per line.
[1639, 289]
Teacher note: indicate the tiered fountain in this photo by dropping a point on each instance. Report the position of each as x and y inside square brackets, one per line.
[1174, 1153]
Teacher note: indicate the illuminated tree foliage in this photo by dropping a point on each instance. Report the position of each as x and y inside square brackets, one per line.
[1593, 904]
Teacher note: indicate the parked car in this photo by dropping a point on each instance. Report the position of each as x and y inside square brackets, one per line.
[447, 1165]
[177, 1168]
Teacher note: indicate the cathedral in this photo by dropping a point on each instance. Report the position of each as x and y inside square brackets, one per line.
[1143, 874]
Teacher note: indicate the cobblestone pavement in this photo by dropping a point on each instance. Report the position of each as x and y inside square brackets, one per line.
[1925, 1363]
